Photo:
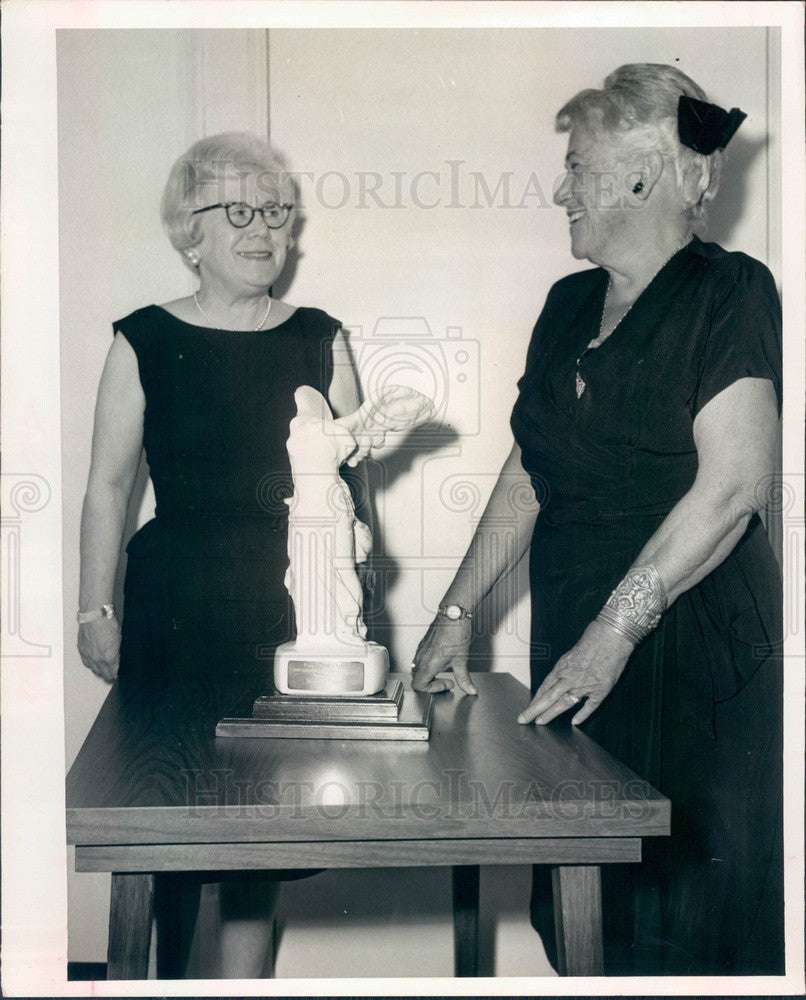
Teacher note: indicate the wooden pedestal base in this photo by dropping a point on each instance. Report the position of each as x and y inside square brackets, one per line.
[396, 713]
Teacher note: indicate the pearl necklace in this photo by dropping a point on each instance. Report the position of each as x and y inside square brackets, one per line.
[215, 327]
[602, 337]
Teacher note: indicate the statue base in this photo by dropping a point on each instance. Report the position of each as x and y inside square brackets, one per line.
[381, 707]
[360, 670]
[395, 713]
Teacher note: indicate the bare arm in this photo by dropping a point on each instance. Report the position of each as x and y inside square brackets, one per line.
[344, 394]
[735, 435]
[445, 645]
[116, 445]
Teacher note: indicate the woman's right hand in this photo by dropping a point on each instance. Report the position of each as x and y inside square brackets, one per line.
[444, 646]
[99, 646]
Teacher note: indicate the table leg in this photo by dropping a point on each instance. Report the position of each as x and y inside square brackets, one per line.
[466, 919]
[578, 919]
[130, 914]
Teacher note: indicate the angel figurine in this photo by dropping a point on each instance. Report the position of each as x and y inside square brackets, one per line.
[326, 541]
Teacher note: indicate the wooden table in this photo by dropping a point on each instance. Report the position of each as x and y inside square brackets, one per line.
[153, 791]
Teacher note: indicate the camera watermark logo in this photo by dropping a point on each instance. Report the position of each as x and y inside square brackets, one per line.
[404, 350]
[22, 493]
[776, 497]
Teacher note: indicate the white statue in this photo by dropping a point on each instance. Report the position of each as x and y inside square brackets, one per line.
[331, 654]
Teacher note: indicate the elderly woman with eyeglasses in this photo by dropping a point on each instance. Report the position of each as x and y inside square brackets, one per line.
[647, 424]
[206, 384]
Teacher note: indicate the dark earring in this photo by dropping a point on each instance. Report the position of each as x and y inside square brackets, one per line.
[638, 187]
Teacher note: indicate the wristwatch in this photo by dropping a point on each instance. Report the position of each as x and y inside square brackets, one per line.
[453, 612]
[84, 617]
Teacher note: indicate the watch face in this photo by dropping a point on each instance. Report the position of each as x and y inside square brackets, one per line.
[453, 611]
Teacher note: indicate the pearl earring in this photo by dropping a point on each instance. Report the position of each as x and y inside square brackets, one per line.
[193, 258]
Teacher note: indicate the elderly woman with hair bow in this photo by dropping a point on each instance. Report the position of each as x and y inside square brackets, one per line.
[206, 383]
[647, 422]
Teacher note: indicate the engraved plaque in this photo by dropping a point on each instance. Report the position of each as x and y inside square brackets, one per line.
[323, 675]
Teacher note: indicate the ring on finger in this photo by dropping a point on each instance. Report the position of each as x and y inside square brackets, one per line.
[573, 698]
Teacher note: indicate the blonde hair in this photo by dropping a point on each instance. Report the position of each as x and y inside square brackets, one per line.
[637, 108]
[206, 162]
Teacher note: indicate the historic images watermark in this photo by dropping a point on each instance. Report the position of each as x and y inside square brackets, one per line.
[450, 184]
[450, 796]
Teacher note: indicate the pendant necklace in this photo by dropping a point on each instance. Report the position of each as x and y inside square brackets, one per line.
[211, 320]
[580, 382]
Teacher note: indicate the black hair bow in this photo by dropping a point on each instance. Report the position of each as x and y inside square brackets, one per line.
[705, 127]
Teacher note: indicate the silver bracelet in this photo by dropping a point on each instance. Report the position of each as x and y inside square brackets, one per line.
[636, 605]
[105, 611]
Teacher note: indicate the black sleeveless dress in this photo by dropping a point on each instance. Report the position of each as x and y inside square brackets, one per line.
[697, 711]
[204, 595]
[204, 601]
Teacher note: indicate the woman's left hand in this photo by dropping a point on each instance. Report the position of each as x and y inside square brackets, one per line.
[588, 671]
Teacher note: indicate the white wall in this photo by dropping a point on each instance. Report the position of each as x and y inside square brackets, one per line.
[376, 102]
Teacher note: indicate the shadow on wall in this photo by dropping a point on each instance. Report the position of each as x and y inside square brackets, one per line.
[280, 288]
[492, 611]
[730, 204]
[382, 473]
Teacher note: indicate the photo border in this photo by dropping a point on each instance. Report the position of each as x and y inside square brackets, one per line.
[33, 842]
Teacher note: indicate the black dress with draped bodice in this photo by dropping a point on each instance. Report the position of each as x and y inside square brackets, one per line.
[204, 593]
[697, 711]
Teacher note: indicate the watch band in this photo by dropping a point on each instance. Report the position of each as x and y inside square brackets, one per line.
[453, 612]
[85, 617]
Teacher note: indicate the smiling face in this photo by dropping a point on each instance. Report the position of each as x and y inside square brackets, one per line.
[594, 193]
[240, 262]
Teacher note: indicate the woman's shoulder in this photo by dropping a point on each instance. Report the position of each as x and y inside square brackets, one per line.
[313, 319]
[141, 317]
[571, 286]
[571, 292]
[731, 266]
[314, 313]
[141, 327]
[579, 279]
[183, 309]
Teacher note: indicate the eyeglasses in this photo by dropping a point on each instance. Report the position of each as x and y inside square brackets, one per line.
[240, 214]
